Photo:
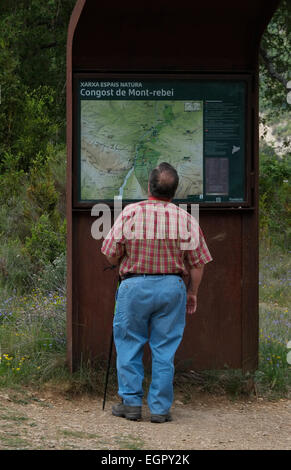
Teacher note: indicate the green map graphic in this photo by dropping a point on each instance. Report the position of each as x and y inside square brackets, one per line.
[122, 141]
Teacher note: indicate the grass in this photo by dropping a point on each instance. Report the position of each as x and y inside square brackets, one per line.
[32, 337]
[129, 442]
[12, 441]
[33, 343]
[79, 434]
[273, 377]
[275, 321]
[13, 417]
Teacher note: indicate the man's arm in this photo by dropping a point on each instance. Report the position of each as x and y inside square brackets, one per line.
[196, 260]
[113, 247]
[196, 275]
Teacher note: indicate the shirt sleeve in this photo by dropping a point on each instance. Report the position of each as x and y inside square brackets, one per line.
[200, 255]
[113, 244]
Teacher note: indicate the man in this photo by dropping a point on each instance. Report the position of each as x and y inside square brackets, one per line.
[153, 241]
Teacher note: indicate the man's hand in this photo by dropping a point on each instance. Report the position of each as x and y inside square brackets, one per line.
[113, 261]
[191, 305]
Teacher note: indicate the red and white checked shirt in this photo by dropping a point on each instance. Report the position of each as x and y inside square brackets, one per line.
[156, 237]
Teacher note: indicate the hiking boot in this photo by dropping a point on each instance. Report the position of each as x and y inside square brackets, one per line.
[125, 411]
[161, 418]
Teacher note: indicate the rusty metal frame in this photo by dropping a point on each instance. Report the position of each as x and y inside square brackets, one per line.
[69, 136]
[241, 222]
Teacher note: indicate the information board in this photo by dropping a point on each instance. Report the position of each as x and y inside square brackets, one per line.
[126, 127]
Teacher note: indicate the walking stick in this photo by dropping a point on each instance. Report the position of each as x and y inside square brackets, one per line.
[108, 367]
[111, 345]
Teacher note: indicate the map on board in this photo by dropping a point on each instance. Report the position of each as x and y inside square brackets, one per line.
[122, 141]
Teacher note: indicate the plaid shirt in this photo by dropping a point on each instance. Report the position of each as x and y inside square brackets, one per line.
[155, 236]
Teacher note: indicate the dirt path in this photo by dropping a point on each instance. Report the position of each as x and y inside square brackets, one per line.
[49, 421]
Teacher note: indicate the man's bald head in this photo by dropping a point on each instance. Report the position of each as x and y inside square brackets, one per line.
[163, 181]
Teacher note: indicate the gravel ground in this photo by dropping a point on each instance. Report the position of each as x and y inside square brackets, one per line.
[48, 420]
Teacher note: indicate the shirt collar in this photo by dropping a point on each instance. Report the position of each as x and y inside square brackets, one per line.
[153, 198]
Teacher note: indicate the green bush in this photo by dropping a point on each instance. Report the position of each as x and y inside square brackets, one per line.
[32, 337]
[37, 128]
[15, 266]
[45, 243]
[52, 278]
[32, 220]
[274, 370]
[274, 201]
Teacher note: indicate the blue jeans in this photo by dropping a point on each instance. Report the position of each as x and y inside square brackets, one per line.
[148, 308]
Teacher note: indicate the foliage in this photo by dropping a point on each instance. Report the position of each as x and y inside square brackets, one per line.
[53, 275]
[274, 372]
[15, 268]
[32, 336]
[32, 222]
[45, 244]
[32, 147]
[37, 127]
[32, 75]
[275, 197]
[275, 61]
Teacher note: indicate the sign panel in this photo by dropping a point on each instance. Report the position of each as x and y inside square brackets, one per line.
[126, 127]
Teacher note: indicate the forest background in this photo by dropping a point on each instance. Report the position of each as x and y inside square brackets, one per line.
[33, 37]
